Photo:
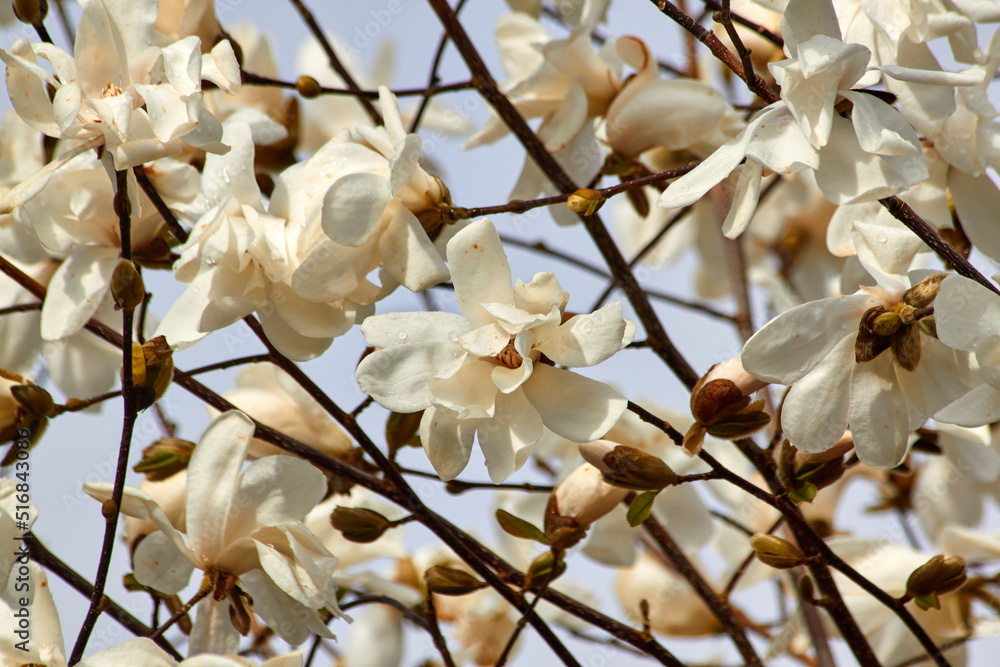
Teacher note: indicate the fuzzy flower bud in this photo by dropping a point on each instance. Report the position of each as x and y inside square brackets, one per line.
[164, 458]
[586, 201]
[937, 576]
[359, 524]
[628, 467]
[776, 552]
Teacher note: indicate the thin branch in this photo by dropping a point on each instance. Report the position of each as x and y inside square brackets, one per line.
[173, 224]
[20, 308]
[335, 63]
[719, 606]
[432, 79]
[752, 25]
[112, 509]
[182, 612]
[435, 631]
[251, 79]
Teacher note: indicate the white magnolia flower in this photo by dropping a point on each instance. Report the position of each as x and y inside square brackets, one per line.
[143, 651]
[140, 100]
[872, 154]
[74, 220]
[843, 373]
[489, 370]
[240, 259]
[245, 525]
[360, 202]
[675, 609]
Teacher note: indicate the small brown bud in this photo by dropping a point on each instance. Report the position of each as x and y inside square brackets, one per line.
[869, 344]
[715, 399]
[544, 570]
[359, 524]
[31, 12]
[152, 370]
[307, 87]
[906, 347]
[586, 201]
[109, 510]
[240, 611]
[632, 468]
[165, 458]
[34, 399]
[449, 581]
[923, 293]
[937, 576]
[887, 323]
[126, 286]
[776, 552]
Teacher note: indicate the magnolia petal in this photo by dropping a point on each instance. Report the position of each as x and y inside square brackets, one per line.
[447, 441]
[958, 310]
[27, 91]
[586, 340]
[353, 207]
[977, 201]
[76, 290]
[795, 342]
[213, 631]
[140, 505]
[507, 439]
[213, 478]
[744, 200]
[980, 406]
[232, 174]
[479, 271]
[942, 377]
[408, 254]
[470, 392]
[879, 416]
[803, 20]
[277, 608]
[968, 77]
[690, 187]
[814, 414]
[880, 128]
[275, 490]
[487, 341]
[137, 651]
[157, 563]
[437, 327]
[558, 130]
[404, 163]
[573, 406]
[508, 379]
[282, 572]
[399, 377]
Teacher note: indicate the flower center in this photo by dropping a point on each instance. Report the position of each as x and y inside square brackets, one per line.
[110, 90]
[509, 357]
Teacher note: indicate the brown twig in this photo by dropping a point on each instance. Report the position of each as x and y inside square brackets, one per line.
[112, 509]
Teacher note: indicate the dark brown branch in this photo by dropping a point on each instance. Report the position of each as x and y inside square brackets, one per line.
[335, 63]
[251, 79]
[112, 509]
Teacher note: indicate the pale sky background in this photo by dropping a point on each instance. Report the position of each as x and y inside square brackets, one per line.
[80, 449]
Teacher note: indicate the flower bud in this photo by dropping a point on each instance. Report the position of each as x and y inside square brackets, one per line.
[543, 571]
[628, 467]
[31, 12]
[923, 293]
[869, 344]
[449, 581]
[359, 524]
[906, 347]
[887, 323]
[776, 552]
[164, 458]
[586, 201]
[25, 409]
[152, 370]
[307, 87]
[126, 286]
[937, 576]
[585, 496]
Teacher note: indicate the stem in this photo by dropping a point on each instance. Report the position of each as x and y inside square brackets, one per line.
[188, 606]
[251, 79]
[435, 632]
[718, 604]
[432, 79]
[112, 511]
[20, 308]
[335, 63]
[173, 224]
